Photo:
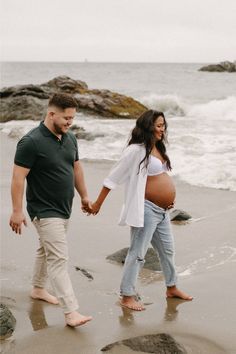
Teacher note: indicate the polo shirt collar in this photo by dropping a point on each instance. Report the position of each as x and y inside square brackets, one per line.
[46, 132]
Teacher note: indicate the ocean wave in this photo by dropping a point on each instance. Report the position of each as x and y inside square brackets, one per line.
[224, 109]
[174, 105]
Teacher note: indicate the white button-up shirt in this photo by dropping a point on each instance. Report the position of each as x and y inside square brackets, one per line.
[126, 171]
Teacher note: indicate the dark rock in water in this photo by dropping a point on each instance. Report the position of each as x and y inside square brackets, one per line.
[29, 101]
[7, 322]
[151, 259]
[179, 215]
[228, 66]
[160, 343]
[81, 133]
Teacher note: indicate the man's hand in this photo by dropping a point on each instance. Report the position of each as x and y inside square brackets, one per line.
[16, 220]
[86, 206]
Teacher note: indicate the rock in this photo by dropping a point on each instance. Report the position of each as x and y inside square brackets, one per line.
[7, 322]
[160, 343]
[151, 259]
[221, 67]
[84, 272]
[179, 215]
[65, 84]
[81, 133]
[30, 101]
[22, 107]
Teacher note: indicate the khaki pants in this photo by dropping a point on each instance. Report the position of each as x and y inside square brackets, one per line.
[51, 261]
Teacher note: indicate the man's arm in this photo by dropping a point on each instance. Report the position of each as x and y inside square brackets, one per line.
[17, 192]
[81, 187]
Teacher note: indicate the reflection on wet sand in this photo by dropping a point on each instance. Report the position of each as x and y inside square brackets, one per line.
[171, 312]
[127, 317]
[37, 316]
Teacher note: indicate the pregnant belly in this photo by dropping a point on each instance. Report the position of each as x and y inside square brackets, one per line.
[160, 190]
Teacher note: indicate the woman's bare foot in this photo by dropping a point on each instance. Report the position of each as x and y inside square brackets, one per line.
[74, 319]
[173, 291]
[42, 294]
[130, 303]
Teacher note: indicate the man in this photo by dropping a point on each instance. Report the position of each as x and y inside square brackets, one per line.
[48, 158]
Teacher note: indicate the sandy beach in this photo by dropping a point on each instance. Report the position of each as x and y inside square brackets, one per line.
[205, 259]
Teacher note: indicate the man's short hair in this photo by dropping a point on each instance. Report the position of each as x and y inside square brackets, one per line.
[62, 101]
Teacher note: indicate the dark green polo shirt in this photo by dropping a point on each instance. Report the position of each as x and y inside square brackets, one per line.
[50, 182]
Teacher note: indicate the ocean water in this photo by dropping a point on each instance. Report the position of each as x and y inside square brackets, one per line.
[200, 109]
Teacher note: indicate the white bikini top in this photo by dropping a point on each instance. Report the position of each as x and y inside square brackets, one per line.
[155, 166]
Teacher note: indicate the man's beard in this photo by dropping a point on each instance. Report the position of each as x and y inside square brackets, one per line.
[57, 129]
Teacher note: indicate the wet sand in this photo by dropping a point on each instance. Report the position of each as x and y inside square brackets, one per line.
[205, 259]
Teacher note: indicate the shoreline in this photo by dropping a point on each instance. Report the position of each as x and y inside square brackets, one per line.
[205, 254]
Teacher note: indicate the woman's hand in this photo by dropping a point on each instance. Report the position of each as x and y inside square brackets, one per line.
[95, 208]
[171, 205]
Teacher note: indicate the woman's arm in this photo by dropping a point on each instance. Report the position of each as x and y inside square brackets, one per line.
[118, 175]
[100, 199]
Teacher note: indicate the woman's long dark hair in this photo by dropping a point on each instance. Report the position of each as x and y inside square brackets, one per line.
[143, 133]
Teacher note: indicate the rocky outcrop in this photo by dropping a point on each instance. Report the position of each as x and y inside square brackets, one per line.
[160, 343]
[7, 322]
[151, 260]
[221, 67]
[30, 101]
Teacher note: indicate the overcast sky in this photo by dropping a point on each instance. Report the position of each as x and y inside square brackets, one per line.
[118, 30]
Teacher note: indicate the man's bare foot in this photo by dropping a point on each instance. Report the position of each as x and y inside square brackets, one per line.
[130, 303]
[173, 291]
[42, 294]
[74, 319]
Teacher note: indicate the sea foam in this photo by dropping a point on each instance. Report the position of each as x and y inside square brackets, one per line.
[202, 144]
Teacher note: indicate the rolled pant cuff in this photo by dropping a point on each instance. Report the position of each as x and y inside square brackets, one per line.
[171, 284]
[127, 293]
[72, 309]
[41, 286]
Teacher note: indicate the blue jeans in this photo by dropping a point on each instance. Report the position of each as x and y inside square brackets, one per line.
[157, 231]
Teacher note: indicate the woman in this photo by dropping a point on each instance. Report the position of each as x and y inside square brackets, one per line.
[149, 193]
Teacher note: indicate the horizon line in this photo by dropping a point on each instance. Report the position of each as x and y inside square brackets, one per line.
[110, 62]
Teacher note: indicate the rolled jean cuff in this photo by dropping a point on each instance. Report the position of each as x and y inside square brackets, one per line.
[171, 284]
[126, 293]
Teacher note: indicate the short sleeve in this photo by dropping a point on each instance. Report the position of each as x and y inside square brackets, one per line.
[26, 152]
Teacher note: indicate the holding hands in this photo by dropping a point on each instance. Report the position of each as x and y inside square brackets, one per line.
[93, 208]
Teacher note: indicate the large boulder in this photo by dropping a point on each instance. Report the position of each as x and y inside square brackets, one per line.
[160, 343]
[7, 322]
[30, 101]
[221, 67]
